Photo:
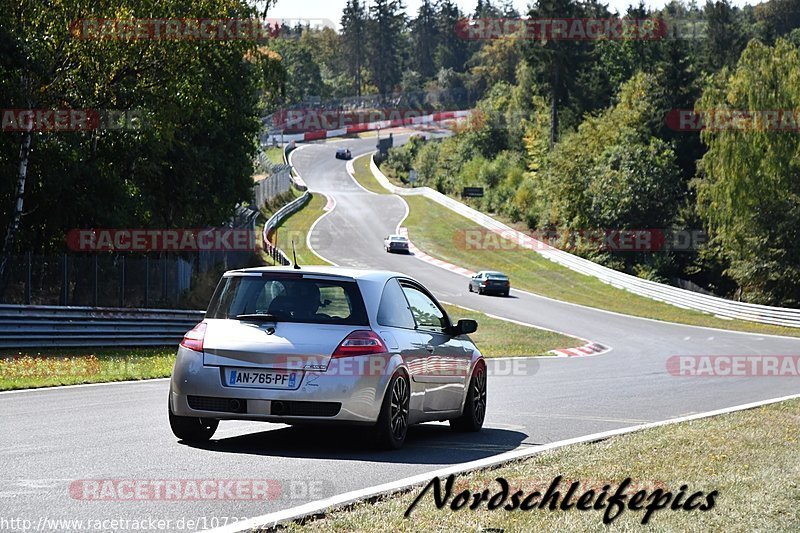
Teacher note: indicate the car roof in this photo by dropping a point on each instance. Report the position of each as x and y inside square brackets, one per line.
[343, 272]
[397, 236]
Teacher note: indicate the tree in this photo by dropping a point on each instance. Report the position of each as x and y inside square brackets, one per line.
[556, 61]
[425, 39]
[304, 78]
[354, 41]
[452, 51]
[748, 191]
[566, 176]
[386, 25]
[186, 162]
[724, 40]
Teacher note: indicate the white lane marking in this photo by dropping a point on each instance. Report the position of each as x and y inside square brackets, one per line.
[328, 210]
[328, 504]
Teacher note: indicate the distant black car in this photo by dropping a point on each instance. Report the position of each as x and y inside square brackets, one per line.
[488, 282]
[343, 153]
[395, 243]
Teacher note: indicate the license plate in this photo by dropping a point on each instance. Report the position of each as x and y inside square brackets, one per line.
[239, 377]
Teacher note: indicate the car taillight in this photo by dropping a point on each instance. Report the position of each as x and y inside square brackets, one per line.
[485, 283]
[193, 339]
[360, 342]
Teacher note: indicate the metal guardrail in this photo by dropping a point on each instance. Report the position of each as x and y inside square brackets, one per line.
[299, 184]
[714, 305]
[275, 220]
[26, 326]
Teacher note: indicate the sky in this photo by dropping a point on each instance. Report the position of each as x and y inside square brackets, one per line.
[332, 9]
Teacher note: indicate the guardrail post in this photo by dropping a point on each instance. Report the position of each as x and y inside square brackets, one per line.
[64, 280]
[147, 281]
[29, 267]
[122, 282]
[95, 281]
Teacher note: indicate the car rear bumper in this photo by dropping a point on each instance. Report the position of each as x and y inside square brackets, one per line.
[350, 392]
[495, 290]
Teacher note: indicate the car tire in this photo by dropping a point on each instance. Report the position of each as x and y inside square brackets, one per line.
[480, 291]
[392, 426]
[470, 288]
[506, 294]
[471, 420]
[191, 429]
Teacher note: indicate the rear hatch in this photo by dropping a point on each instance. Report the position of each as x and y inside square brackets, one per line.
[497, 282]
[271, 346]
[280, 321]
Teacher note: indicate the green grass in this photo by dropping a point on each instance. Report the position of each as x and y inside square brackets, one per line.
[364, 174]
[296, 228]
[500, 338]
[275, 155]
[440, 232]
[27, 369]
[31, 368]
[749, 457]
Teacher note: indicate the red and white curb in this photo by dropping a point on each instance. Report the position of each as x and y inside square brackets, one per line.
[361, 128]
[586, 350]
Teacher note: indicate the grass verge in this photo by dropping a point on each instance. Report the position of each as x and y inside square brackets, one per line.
[275, 155]
[52, 367]
[31, 369]
[499, 338]
[296, 228]
[749, 457]
[440, 232]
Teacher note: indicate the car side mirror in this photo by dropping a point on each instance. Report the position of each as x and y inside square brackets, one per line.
[465, 326]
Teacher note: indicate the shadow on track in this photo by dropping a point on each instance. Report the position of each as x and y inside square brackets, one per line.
[425, 444]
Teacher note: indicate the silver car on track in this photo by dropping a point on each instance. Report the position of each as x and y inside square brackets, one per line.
[326, 344]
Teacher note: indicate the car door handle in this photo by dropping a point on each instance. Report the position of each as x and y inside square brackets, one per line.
[430, 348]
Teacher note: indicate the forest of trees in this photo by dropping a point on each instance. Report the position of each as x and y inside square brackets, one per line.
[565, 135]
[189, 161]
[572, 138]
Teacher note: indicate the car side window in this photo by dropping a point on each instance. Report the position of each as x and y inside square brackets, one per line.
[393, 310]
[426, 313]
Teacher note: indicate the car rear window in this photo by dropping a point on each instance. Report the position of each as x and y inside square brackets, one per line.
[290, 299]
[493, 275]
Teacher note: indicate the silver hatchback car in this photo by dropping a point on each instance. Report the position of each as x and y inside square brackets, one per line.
[326, 344]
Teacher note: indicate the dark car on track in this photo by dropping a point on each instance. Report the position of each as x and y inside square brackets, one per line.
[344, 153]
[490, 282]
[396, 243]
